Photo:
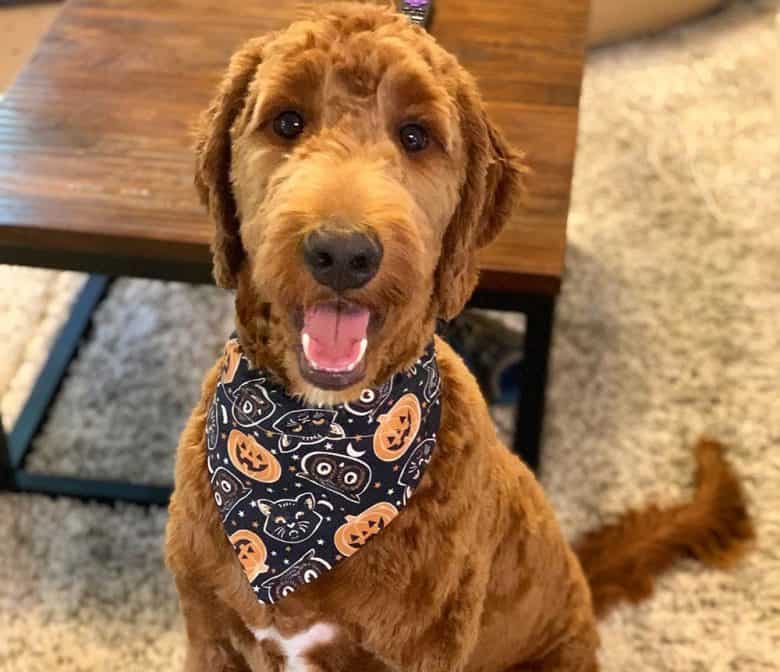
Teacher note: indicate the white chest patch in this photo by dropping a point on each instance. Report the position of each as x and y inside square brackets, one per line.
[295, 648]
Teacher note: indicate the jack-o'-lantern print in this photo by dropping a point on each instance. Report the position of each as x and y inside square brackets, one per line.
[251, 459]
[230, 361]
[251, 553]
[354, 534]
[397, 429]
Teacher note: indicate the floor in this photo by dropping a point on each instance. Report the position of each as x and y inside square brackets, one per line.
[21, 26]
[666, 329]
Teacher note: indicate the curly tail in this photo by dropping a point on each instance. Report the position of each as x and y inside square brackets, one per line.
[621, 560]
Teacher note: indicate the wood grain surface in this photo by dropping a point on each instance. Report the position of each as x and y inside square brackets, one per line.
[95, 147]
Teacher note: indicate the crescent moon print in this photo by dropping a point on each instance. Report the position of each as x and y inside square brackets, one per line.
[306, 426]
[342, 475]
[251, 404]
[370, 400]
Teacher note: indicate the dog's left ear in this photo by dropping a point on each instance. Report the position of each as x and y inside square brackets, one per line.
[213, 160]
[488, 196]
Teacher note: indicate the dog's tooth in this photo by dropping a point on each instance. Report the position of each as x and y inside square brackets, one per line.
[363, 348]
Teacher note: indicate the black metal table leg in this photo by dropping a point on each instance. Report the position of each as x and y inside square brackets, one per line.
[6, 473]
[539, 311]
[15, 445]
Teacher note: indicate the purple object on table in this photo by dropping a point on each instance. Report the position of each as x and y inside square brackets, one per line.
[417, 11]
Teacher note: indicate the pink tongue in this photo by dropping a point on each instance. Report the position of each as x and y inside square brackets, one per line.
[334, 335]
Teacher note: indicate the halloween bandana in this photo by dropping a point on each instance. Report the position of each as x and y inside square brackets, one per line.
[300, 489]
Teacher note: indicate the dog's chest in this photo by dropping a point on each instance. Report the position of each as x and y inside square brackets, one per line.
[296, 648]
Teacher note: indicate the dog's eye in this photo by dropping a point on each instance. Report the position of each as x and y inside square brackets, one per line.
[414, 137]
[288, 125]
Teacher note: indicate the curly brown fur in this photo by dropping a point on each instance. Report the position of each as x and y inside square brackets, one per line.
[487, 583]
[622, 559]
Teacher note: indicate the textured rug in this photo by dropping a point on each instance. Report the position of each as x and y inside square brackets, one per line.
[667, 327]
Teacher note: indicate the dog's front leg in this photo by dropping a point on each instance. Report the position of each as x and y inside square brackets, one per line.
[206, 623]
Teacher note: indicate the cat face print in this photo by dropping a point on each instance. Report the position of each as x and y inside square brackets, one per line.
[251, 404]
[306, 426]
[370, 400]
[306, 569]
[343, 475]
[290, 520]
[228, 490]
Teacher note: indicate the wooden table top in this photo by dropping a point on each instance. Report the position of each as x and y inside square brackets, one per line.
[95, 147]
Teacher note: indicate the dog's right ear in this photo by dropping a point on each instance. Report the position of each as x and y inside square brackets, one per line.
[212, 153]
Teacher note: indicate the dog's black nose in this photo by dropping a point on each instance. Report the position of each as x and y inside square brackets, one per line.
[342, 260]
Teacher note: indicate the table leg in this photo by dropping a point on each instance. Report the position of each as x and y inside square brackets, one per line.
[539, 312]
[6, 473]
[15, 445]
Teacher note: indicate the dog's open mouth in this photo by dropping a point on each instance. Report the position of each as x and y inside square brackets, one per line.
[334, 339]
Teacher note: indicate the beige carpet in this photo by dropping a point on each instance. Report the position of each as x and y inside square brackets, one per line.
[667, 327]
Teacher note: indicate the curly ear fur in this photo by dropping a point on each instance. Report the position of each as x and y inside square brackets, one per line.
[212, 168]
[489, 193]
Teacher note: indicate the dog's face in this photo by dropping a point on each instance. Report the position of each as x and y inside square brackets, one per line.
[351, 173]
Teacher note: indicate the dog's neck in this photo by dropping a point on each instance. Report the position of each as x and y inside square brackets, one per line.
[265, 342]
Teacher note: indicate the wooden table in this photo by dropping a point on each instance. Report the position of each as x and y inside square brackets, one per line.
[96, 166]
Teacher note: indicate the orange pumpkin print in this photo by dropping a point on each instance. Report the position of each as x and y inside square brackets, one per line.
[230, 361]
[397, 429]
[354, 534]
[251, 459]
[251, 553]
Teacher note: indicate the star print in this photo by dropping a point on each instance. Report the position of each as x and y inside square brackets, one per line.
[273, 451]
[269, 434]
[225, 460]
[253, 504]
[298, 485]
[390, 491]
[320, 542]
[295, 457]
[287, 548]
[286, 561]
[255, 524]
[329, 445]
[224, 436]
[396, 468]
[397, 503]
[256, 589]
[377, 485]
[292, 469]
[273, 553]
[240, 514]
[327, 518]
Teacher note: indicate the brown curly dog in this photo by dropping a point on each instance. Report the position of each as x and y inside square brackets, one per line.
[348, 161]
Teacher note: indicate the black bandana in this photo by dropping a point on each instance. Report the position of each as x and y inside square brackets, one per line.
[300, 489]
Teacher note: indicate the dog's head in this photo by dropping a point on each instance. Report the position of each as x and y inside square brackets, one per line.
[352, 174]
